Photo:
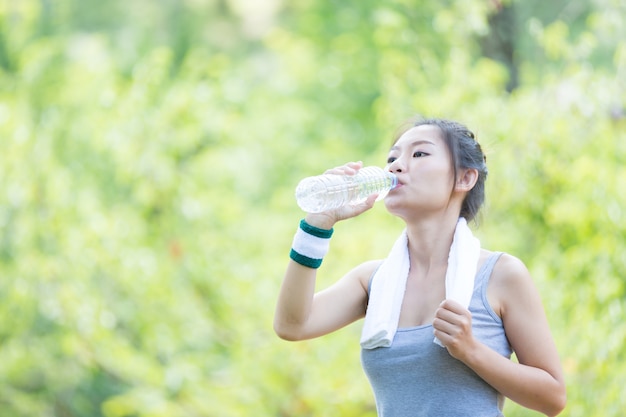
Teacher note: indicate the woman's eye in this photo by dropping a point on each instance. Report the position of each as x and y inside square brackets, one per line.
[419, 154]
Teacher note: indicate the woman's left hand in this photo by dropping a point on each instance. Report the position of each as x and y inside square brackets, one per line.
[453, 327]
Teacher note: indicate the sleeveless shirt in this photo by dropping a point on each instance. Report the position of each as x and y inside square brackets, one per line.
[416, 377]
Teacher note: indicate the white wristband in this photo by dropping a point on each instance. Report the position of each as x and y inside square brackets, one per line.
[310, 245]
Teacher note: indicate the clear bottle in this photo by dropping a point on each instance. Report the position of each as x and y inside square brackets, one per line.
[330, 191]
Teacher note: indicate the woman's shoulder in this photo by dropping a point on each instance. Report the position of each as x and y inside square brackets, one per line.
[506, 265]
[509, 267]
[510, 278]
[368, 268]
[365, 271]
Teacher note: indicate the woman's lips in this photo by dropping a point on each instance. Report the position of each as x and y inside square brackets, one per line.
[398, 185]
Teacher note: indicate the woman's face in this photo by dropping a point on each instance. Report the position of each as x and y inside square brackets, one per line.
[421, 160]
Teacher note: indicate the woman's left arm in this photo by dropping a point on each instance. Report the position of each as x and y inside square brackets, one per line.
[536, 380]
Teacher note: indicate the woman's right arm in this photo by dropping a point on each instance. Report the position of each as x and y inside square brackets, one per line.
[303, 314]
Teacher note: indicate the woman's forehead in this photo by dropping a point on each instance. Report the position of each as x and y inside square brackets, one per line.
[429, 133]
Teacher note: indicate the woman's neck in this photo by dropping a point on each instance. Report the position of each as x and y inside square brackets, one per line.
[430, 240]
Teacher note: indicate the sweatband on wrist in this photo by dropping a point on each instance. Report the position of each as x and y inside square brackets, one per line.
[310, 244]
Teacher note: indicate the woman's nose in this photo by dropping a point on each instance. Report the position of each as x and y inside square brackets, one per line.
[396, 165]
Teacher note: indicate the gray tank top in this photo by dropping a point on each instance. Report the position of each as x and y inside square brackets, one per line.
[415, 377]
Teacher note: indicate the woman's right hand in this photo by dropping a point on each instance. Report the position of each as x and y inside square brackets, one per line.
[327, 219]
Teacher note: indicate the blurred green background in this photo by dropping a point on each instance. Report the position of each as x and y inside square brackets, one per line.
[150, 149]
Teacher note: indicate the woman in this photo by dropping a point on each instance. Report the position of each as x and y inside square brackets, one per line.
[441, 173]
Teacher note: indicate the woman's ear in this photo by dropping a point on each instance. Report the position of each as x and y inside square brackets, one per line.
[467, 179]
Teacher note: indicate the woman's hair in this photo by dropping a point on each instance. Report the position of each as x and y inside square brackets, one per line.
[465, 152]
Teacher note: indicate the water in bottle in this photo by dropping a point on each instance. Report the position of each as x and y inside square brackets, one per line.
[330, 191]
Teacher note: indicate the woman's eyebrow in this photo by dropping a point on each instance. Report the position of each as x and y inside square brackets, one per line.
[417, 142]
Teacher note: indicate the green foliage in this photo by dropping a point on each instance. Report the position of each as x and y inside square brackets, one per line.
[151, 149]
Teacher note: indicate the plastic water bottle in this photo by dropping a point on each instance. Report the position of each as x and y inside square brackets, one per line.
[331, 191]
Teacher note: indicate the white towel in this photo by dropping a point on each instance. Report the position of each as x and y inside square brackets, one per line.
[389, 284]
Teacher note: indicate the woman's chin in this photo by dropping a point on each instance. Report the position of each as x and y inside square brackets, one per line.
[391, 203]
